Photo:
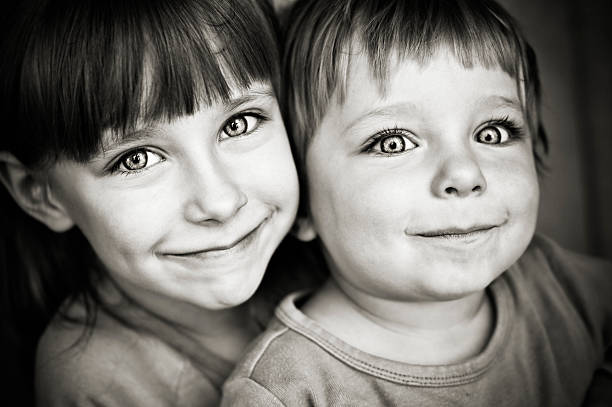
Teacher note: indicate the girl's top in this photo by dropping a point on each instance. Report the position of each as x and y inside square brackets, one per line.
[134, 358]
[553, 326]
[129, 358]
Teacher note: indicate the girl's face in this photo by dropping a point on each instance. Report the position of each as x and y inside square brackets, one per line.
[189, 210]
[429, 191]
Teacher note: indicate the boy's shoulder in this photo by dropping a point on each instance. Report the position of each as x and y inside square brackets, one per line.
[277, 346]
[567, 266]
[277, 365]
[109, 364]
[551, 274]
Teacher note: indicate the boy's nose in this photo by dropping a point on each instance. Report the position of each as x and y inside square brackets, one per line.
[214, 196]
[459, 175]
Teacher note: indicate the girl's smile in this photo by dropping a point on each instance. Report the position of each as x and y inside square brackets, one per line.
[223, 252]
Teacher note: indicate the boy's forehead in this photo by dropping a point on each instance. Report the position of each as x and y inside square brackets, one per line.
[412, 87]
[359, 66]
[360, 74]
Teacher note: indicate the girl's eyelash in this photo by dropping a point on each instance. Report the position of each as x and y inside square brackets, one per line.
[259, 115]
[115, 168]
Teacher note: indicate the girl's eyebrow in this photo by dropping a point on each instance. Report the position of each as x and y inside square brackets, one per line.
[248, 96]
[116, 141]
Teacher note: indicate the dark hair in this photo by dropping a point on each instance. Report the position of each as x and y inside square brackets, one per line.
[323, 34]
[72, 69]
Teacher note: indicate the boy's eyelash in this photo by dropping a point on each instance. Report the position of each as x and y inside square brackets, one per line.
[392, 131]
[515, 130]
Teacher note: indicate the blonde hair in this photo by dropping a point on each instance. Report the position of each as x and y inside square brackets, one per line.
[323, 34]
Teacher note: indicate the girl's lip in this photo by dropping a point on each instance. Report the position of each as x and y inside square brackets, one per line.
[221, 249]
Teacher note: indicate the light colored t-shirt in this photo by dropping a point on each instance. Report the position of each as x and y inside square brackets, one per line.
[553, 326]
[115, 365]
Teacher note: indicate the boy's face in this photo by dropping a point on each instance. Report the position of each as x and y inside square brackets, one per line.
[428, 192]
[190, 210]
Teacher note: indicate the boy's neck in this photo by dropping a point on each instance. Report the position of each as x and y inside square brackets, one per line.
[423, 333]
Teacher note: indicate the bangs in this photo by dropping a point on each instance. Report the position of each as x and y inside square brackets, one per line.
[419, 29]
[416, 30]
[92, 66]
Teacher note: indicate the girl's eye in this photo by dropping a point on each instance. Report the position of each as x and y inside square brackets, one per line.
[493, 135]
[241, 124]
[393, 143]
[136, 160]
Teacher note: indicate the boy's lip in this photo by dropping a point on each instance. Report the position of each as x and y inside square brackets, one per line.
[458, 232]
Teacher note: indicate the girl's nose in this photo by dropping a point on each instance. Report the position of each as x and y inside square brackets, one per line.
[214, 197]
[459, 175]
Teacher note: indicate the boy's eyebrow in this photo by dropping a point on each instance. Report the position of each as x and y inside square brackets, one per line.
[501, 101]
[392, 111]
[388, 111]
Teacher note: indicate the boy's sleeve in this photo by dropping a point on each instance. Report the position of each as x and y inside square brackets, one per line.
[246, 392]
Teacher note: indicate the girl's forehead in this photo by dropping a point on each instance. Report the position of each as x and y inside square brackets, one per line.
[258, 92]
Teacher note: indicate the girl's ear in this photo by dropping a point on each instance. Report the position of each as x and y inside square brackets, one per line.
[30, 190]
[303, 229]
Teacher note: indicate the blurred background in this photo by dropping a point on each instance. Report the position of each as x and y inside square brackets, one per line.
[573, 42]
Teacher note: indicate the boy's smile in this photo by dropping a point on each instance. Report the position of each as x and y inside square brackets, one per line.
[428, 190]
[189, 210]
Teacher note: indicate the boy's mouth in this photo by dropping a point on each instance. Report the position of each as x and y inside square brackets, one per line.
[457, 233]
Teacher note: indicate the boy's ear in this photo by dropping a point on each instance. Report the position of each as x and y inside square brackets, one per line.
[303, 229]
[31, 192]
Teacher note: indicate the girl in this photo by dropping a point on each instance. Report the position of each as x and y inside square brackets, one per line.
[152, 180]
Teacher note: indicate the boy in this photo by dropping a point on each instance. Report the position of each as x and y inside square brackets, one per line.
[417, 125]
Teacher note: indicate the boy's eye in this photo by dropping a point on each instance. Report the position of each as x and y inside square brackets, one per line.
[241, 124]
[493, 135]
[390, 142]
[136, 160]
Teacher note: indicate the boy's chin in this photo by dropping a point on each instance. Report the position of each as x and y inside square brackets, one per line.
[456, 284]
[440, 286]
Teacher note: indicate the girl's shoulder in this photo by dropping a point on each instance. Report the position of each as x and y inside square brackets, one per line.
[112, 364]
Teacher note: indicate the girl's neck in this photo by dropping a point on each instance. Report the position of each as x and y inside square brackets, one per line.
[423, 333]
[224, 332]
